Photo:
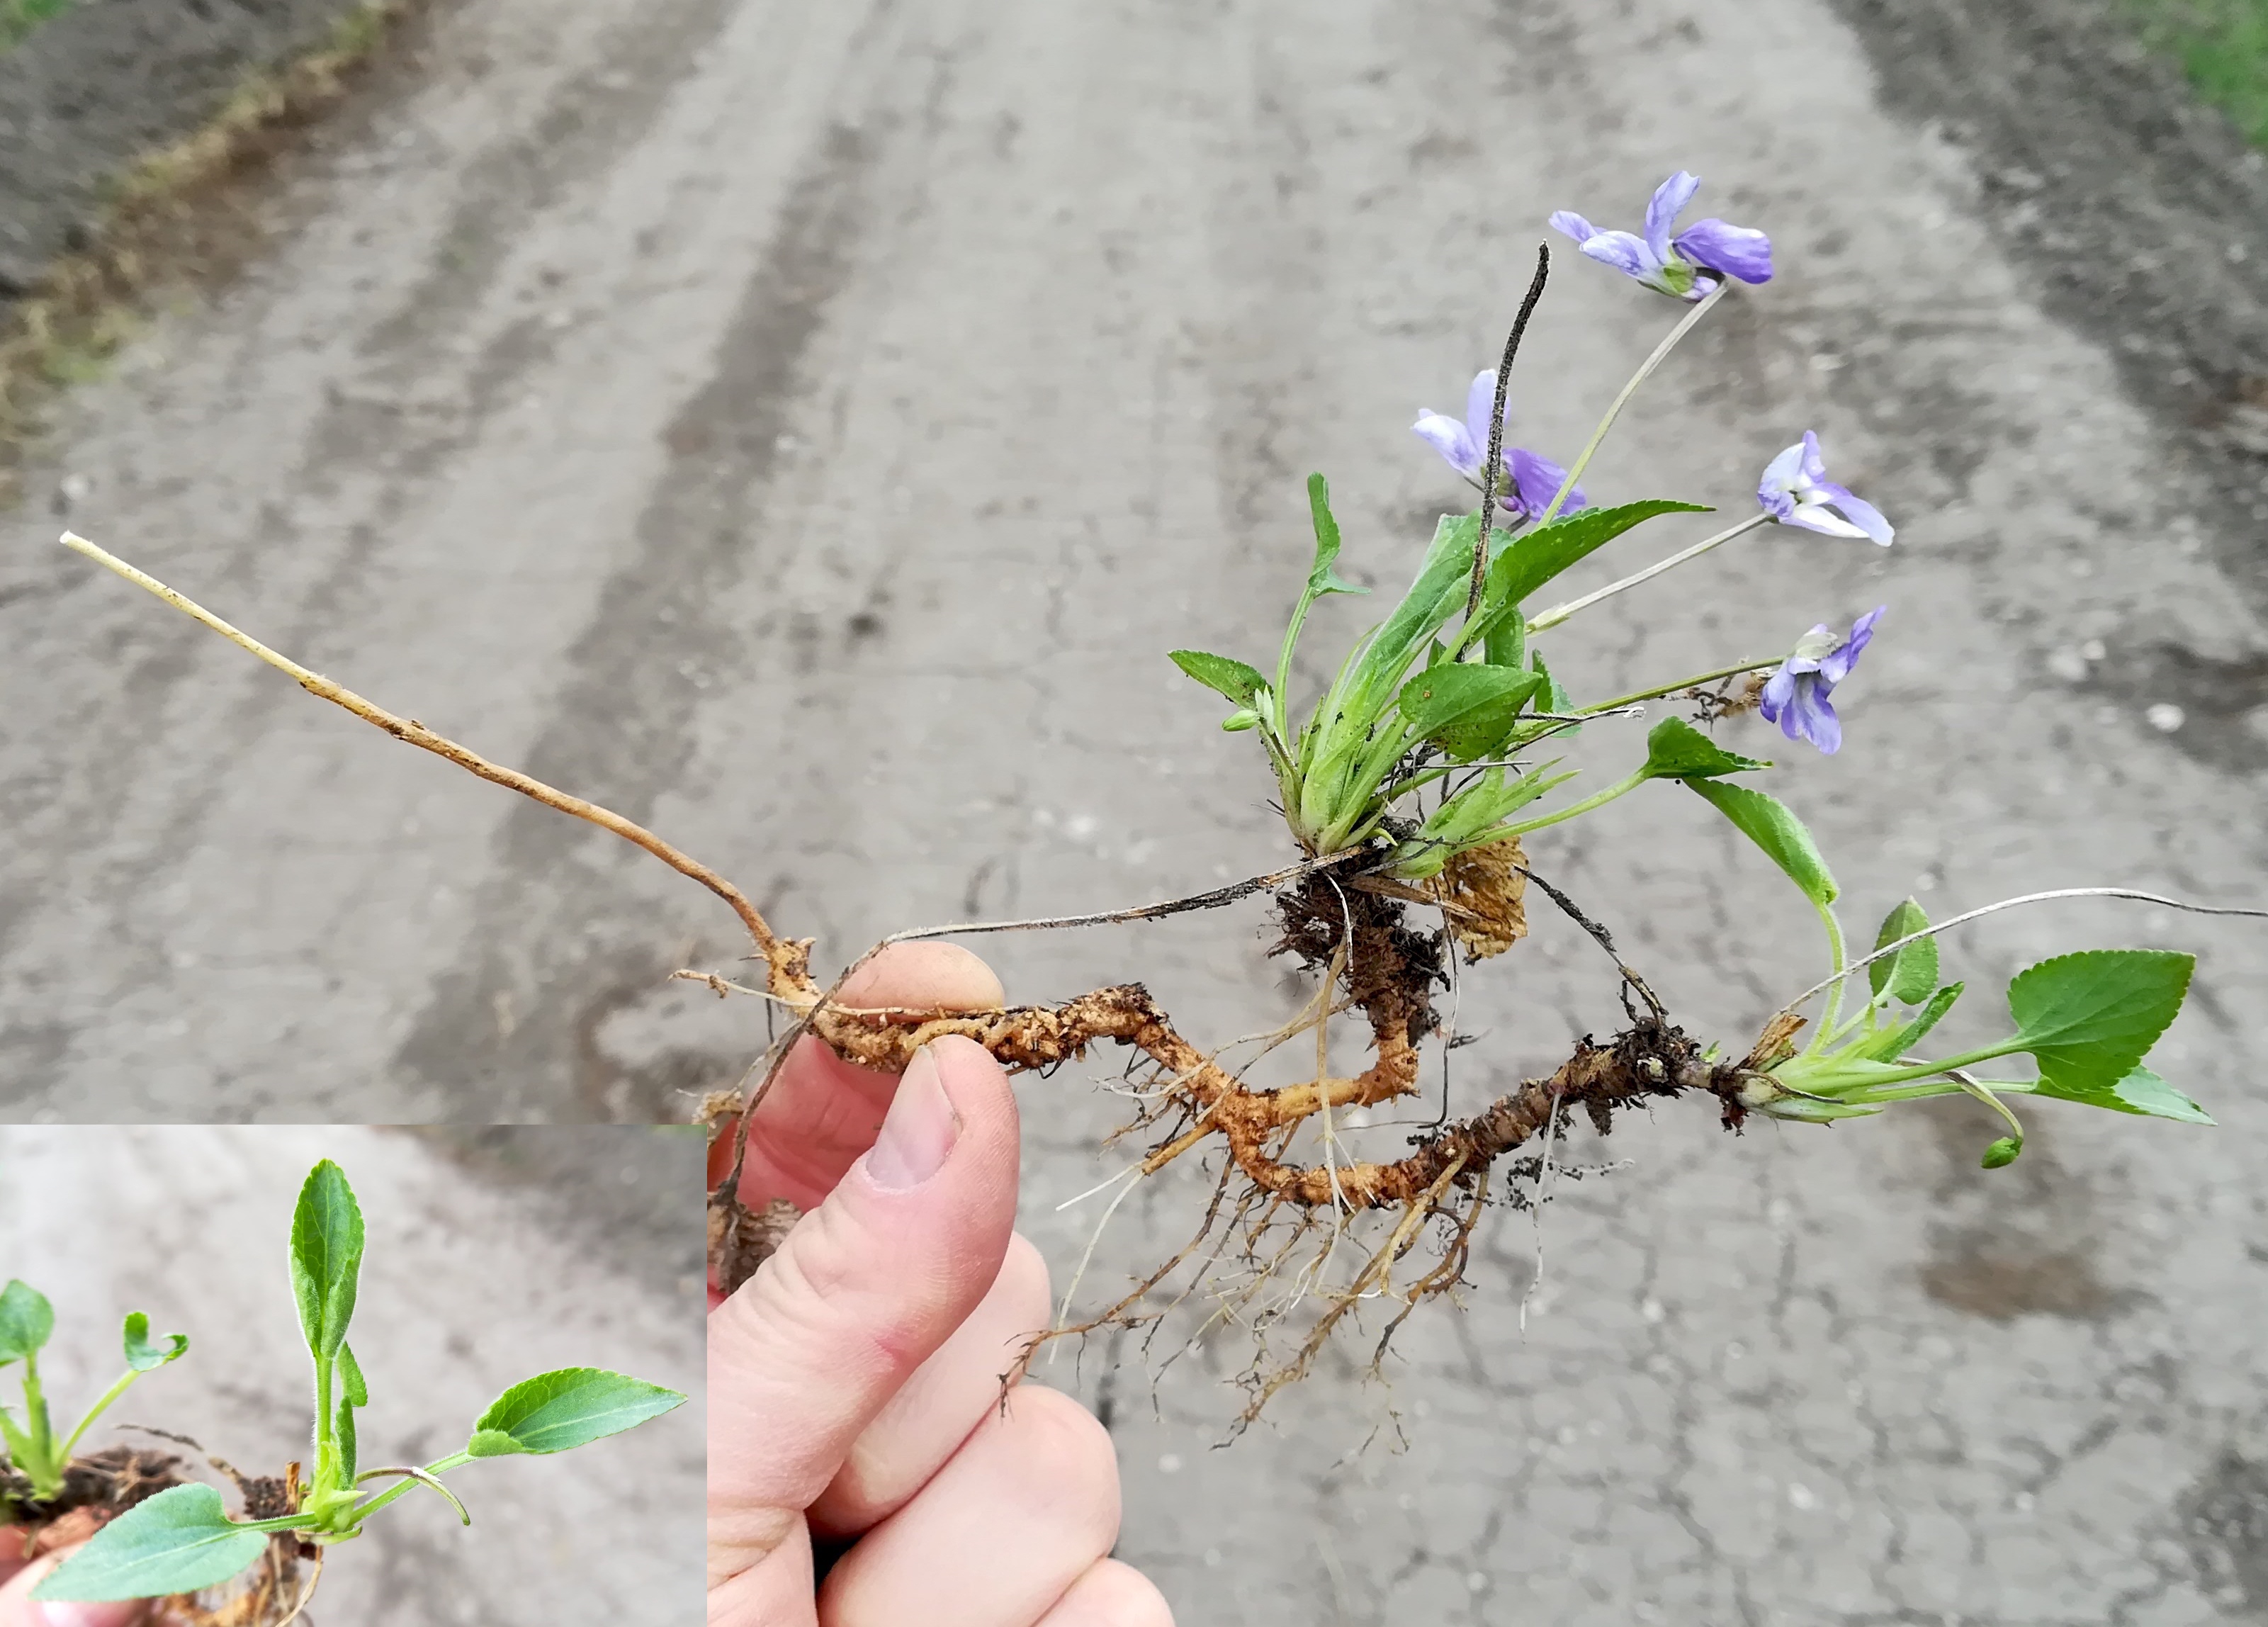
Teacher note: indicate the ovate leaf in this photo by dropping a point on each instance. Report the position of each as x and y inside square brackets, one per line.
[1535, 558]
[553, 1411]
[1674, 749]
[1220, 673]
[2087, 1019]
[141, 1355]
[177, 1542]
[2141, 1091]
[327, 1243]
[1766, 822]
[1467, 711]
[26, 1319]
[1911, 973]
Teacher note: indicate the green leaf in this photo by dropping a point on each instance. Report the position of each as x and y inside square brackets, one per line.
[351, 1380]
[22, 1452]
[1898, 1041]
[1506, 642]
[1220, 673]
[141, 1355]
[488, 1443]
[26, 1319]
[177, 1542]
[1911, 973]
[1322, 578]
[553, 1411]
[1766, 822]
[2087, 1019]
[2141, 1091]
[327, 1243]
[1540, 555]
[352, 1393]
[1468, 710]
[1674, 749]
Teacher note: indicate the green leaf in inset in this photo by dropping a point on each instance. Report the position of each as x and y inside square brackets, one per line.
[1322, 578]
[1674, 749]
[141, 1355]
[177, 1542]
[1766, 822]
[2087, 1019]
[26, 1319]
[553, 1411]
[1911, 973]
[1467, 711]
[1221, 674]
[2141, 1091]
[1540, 555]
[326, 1244]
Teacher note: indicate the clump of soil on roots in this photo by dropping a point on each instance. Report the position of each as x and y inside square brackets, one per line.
[102, 1485]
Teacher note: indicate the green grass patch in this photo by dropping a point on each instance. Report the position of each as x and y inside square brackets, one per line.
[18, 17]
[2222, 45]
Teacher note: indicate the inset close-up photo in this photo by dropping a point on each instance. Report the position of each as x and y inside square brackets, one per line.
[251, 1377]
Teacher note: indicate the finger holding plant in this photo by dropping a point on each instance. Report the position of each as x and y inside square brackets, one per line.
[1409, 782]
[182, 1539]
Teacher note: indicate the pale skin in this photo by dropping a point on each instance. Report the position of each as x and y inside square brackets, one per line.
[855, 1400]
[18, 1608]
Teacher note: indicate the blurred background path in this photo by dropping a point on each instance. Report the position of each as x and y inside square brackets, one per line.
[805, 428]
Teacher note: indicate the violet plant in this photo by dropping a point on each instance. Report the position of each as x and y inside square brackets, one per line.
[182, 1539]
[33, 1449]
[1450, 697]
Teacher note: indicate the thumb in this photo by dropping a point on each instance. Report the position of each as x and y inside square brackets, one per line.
[18, 1608]
[862, 1292]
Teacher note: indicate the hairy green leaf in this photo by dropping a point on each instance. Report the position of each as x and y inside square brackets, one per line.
[22, 1452]
[141, 1355]
[555, 1410]
[177, 1542]
[2141, 1091]
[1896, 1041]
[1911, 973]
[327, 1243]
[1221, 674]
[1469, 711]
[1766, 822]
[26, 1319]
[1535, 557]
[1674, 749]
[2089, 1017]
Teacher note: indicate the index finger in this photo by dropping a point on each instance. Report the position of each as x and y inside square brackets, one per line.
[822, 1112]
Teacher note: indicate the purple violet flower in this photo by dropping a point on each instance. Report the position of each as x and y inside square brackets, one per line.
[1531, 480]
[1795, 696]
[1795, 491]
[1685, 266]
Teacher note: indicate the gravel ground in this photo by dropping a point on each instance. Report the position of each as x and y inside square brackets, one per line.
[805, 428]
[471, 1283]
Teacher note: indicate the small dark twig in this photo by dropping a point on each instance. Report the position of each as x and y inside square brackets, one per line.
[1213, 900]
[1599, 936]
[1495, 465]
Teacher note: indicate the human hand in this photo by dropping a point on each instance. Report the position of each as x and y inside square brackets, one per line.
[18, 1576]
[854, 1405]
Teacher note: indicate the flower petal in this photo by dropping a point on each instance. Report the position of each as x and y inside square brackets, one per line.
[1866, 516]
[1537, 479]
[1779, 688]
[1622, 251]
[1661, 210]
[1839, 661]
[1736, 251]
[1478, 400]
[1815, 465]
[1573, 225]
[1804, 713]
[1775, 490]
[1817, 517]
[1452, 440]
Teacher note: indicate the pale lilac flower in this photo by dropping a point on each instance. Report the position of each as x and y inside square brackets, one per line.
[1795, 491]
[1795, 697]
[1530, 479]
[1685, 266]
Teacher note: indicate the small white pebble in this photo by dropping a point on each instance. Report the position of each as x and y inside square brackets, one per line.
[78, 488]
[1734, 1351]
[1082, 825]
[1799, 1495]
[2094, 650]
[1171, 1463]
[2068, 665]
[1212, 1554]
[1477, 1581]
[1650, 1309]
[2166, 717]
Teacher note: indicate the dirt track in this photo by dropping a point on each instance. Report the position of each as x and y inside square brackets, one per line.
[805, 428]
